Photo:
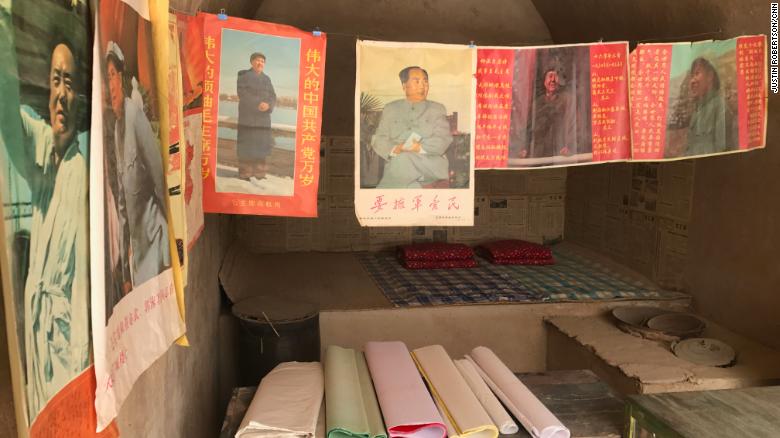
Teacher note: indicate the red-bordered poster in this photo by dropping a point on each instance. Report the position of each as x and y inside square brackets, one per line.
[552, 106]
[262, 113]
[698, 99]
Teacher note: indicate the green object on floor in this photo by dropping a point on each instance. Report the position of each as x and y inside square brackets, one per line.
[351, 406]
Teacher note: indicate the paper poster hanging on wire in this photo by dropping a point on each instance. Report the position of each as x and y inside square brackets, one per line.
[177, 153]
[44, 241]
[137, 318]
[262, 111]
[192, 62]
[414, 124]
[552, 106]
[698, 99]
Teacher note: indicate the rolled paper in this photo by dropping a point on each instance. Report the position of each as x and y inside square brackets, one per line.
[286, 404]
[407, 407]
[497, 413]
[532, 414]
[352, 408]
[452, 394]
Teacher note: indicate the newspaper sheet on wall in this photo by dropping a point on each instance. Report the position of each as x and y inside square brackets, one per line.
[192, 59]
[136, 319]
[698, 99]
[414, 142]
[262, 113]
[44, 241]
[552, 106]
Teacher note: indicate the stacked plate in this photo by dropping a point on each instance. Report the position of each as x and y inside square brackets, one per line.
[657, 324]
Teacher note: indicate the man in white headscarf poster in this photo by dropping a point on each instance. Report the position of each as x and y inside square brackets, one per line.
[137, 319]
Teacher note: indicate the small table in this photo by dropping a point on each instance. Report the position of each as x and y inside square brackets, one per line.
[750, 412]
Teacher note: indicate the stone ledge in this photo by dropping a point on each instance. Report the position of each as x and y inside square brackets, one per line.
[636, 365]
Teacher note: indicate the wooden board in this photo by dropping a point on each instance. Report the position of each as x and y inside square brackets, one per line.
[580, 400]
[750, 412]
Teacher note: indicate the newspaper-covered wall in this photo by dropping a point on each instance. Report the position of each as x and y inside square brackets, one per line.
[262, 112]
[698, 99]
[414, 142]
[336, 228]
[552, 105]
[137, 318]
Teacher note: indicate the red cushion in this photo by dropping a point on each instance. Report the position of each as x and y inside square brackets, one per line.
[439, 264]
[521, 261]
[435, 251]
[516, 250]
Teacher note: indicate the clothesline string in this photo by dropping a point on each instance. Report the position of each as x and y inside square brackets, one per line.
[549, 41]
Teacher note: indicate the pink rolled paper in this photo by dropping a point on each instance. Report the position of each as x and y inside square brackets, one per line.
[407, 407]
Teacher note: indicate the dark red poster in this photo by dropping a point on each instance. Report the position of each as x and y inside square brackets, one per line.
[552, 106]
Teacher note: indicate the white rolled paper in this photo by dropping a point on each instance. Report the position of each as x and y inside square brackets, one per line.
[532, 414]
[287, 403]
[497, 413]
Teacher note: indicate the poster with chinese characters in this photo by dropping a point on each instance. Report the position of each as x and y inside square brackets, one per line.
[44, 238]
[262, 113]
[136, 318]
[414, 142]
[192, 62]
[698, 99]
[552, 106]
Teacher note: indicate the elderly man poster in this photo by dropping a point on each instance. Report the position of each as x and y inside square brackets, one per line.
[414, 110]
[262, 112]
[698, 99]
[44, 148]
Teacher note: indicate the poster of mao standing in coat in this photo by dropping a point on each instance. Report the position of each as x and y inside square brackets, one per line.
[262, 112]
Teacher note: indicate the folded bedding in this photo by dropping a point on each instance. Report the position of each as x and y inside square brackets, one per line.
[516, 252]
[439, 264]
[435, 251]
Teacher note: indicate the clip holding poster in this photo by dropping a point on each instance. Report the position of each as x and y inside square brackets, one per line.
[414, 143]
[262, 116]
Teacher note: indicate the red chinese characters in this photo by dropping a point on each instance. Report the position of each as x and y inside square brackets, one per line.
[610, 124]
[494, 107]
[650, 66]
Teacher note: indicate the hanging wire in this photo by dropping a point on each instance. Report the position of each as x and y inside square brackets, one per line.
[683, 37]
[549, 41]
